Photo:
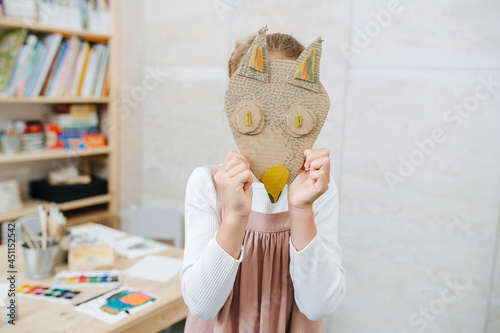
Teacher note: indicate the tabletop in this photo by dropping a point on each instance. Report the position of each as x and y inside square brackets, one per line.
[44, 316]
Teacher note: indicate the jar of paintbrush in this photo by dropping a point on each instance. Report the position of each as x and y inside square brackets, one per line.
[50, 248]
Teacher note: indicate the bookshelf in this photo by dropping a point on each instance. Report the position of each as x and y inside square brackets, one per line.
[92, 36]
[103, 208]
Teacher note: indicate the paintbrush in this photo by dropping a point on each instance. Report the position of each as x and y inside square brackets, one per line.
[92, 298]
[30, 235]
[53, 222]
[26, 237]
[43, 223]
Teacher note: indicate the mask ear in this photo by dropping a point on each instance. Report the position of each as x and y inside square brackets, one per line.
[305, 72]
[255, 63]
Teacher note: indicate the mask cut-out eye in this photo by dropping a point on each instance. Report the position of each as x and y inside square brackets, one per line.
[299, 121]
[248, 118]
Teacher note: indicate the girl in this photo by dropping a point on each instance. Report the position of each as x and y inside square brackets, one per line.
[255, 266]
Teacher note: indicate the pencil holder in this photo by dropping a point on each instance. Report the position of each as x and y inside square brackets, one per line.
[40, 263]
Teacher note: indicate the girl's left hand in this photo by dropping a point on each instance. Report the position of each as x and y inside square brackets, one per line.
[310, 184]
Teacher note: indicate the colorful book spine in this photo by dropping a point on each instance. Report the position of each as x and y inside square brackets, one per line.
[57, 71]
[10, 43]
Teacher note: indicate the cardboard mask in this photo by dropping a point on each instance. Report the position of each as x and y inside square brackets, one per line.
[276, 109]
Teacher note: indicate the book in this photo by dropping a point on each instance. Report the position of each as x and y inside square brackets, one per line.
[52, 43]
[84, 70]
[91, 72]
[10, 43]
[65, 84]
[77, 74]
[101, 73]
[15, 69]
[105, 88]
[52, 81]
[67, 63]
[23, 61]
[37, 67]
[30, 68]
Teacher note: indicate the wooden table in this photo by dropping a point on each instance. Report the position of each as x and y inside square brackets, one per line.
[45, 316]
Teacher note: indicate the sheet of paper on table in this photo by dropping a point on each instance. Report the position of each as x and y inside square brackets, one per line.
[157, 268]
[111, 311]
[95, 234]
[135, 247]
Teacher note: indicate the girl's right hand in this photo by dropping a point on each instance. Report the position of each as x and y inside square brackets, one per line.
[235, 179]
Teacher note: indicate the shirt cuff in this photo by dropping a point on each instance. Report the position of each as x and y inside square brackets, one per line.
[223, 253]
[309, 247]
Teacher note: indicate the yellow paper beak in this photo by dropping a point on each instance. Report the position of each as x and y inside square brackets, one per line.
[274, 180]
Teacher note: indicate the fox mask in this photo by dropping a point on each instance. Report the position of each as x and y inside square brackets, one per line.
[276, 109]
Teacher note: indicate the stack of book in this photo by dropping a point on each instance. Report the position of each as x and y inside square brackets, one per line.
[52, 66]
[75, 127]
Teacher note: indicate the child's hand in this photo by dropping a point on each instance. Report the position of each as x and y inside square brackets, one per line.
[235, 179]
[310, 184]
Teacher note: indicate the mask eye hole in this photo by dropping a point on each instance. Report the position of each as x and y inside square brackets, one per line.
[248, 118]
[299, 121]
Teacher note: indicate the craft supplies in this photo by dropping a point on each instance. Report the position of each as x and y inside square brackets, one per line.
[251, 104]
[89, 257]
[85, 279]
[43, 223]
[94, 234]
[39, 261]
[47, 293]
[30, 235]
[135, 246]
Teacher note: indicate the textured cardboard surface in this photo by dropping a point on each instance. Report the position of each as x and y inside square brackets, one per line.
[274, 144]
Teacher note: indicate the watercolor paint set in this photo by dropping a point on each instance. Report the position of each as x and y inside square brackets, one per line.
[84, 279]
[47, 293]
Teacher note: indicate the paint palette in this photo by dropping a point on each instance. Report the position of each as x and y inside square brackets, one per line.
[47, 293]
[79, 279]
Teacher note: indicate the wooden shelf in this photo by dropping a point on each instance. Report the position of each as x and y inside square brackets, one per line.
[95, 214]
[54, 100]
[51, 154]
[12, 24]
[101, 208]
[30, 207]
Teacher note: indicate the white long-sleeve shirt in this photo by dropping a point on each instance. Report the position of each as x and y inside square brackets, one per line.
[209, 272]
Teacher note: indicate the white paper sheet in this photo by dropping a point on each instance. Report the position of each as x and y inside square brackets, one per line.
[135, 247]
[93, 308]
[157, 268]
[4, 289]
[95, 234]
